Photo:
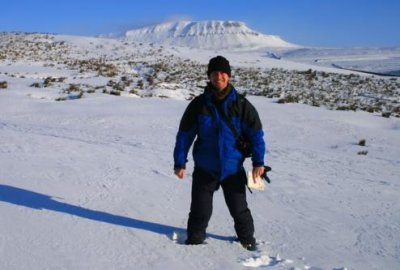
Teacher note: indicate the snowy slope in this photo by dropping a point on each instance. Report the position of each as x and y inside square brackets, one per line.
[214, 35]
[88, 184]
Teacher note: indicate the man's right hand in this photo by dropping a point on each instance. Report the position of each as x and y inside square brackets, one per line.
[180, 173]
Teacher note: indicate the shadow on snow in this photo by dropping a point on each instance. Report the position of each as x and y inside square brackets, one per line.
[39, 201]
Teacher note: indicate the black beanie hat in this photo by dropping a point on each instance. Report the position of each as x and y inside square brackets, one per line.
[219, 63]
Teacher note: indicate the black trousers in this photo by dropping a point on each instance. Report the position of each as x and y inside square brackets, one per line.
[234, 187]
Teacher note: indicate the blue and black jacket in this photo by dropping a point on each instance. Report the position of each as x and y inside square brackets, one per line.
[215, 150]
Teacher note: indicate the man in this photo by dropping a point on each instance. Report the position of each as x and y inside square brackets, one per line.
[218, 161]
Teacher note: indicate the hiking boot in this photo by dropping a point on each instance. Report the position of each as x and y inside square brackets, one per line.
[194, 239]
[249, 245]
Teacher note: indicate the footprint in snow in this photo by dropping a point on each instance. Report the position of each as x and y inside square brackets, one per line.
[178, 237]
[264, 260]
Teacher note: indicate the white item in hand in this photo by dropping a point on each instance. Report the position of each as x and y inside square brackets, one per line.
[256, 185]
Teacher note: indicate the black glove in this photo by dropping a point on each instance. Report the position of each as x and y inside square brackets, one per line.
[264, 175]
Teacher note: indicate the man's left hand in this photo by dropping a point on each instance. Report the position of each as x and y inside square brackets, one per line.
[257, 172]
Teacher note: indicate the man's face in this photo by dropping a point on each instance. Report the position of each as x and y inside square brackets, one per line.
[219, 79]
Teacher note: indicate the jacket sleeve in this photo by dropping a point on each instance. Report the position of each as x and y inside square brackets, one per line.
[252, 128]
[186, 134]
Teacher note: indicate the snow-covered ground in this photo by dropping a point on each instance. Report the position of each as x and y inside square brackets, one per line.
[375, 60]
[66, 67]
[87, 183]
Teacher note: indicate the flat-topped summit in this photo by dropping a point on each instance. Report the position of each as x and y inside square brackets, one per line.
[206, 35]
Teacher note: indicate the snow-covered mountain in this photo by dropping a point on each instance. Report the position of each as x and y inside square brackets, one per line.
[206, 35]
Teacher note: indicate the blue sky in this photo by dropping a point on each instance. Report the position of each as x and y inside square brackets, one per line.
[321, 23]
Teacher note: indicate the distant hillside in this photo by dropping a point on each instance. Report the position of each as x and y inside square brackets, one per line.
[206, 35]
[61, 68]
